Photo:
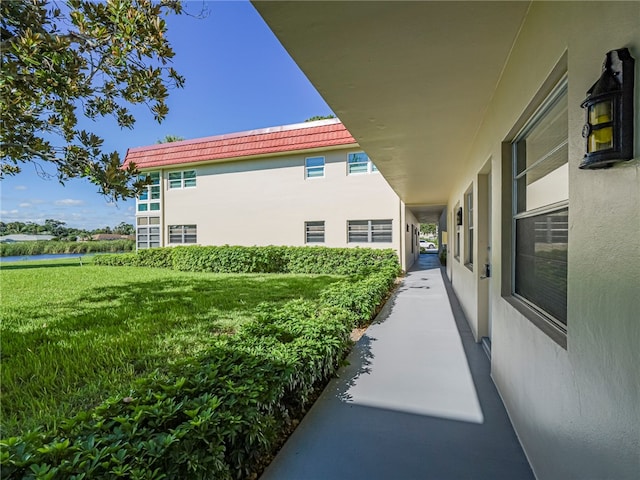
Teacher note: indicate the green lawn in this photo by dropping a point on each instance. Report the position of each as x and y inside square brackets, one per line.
[73, 335]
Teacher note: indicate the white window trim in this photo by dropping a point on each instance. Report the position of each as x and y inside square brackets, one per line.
[307, 168]
[182, 180]
[306, 232]
[371, 168]
[149, 200]
[182, 234]
[370, 230]
[468, 228]
[146, 227]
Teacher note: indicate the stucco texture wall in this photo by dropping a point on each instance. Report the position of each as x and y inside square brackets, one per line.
[575, 410]
[267, 201]
[411, 229]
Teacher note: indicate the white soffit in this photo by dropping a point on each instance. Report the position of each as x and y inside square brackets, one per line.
[410, 80]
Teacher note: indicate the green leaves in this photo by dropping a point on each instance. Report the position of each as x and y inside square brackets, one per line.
[234, 259]
[361, 297]
[219, 413]
[93, 59]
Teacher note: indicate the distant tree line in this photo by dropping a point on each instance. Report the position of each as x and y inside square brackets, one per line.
[170, 139]
[428, 229]
[59, 229]
[319, 117]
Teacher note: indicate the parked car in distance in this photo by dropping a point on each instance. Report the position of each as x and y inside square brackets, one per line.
[427, 245]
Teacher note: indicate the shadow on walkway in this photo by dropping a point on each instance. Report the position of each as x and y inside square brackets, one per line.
[415, 402]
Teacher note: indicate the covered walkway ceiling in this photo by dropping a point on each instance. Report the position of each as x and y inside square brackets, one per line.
[410, 80]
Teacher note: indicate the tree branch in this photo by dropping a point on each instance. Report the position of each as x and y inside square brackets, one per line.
[48, 156]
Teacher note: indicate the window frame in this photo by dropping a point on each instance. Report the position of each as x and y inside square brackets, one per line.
[150, 200]
[370, 166]
[307, 231]
[182, 181]
[370, 231]
[308, 168]
[469, 230]
[546, 322]
[183, 234]
[144, 227]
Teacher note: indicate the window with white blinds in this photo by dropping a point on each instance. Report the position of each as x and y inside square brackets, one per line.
[147, 232]
[183, 234]
[369, 231]
[314, 232]
[541, 210]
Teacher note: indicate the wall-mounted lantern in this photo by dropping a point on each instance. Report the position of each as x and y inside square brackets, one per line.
[459, 216]
[609, 110]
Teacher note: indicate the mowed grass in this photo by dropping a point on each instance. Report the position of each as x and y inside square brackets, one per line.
[74, 335]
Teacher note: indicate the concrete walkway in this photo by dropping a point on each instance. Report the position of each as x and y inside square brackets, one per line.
[415, 402]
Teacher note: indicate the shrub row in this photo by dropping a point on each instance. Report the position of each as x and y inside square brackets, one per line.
[361, 297]
[216, 415]
[213, 417]
[41, 247]
[232, 259]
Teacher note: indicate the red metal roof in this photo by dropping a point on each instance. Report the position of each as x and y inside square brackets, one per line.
[288, 138]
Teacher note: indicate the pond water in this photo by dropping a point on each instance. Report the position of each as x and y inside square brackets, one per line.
[54, 256]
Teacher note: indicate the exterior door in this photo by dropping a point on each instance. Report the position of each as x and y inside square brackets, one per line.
[485, 282]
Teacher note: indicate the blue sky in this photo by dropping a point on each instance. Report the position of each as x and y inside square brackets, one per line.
[238, 77]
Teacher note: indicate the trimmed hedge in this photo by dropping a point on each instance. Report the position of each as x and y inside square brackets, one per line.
[219, 414]
[362, 297]
[228, 259]
[232, 259]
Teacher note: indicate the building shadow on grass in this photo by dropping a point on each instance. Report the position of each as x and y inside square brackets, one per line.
[26, 265]
[154, 307]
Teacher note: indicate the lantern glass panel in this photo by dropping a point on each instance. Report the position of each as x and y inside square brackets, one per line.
[601, 113]
[601, 139]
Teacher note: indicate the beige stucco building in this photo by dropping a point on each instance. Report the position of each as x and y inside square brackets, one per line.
[472, 112]
[304, 184]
